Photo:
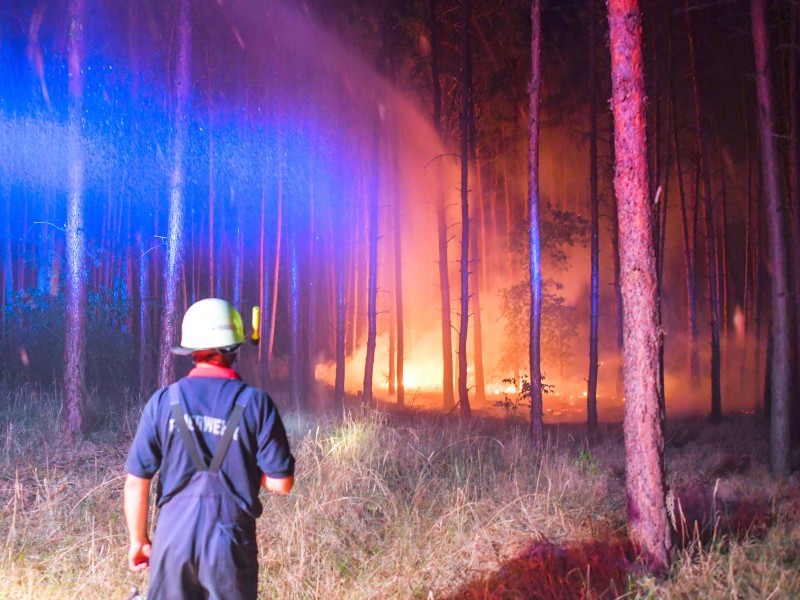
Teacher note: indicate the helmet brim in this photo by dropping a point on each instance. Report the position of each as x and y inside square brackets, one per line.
[181, 351]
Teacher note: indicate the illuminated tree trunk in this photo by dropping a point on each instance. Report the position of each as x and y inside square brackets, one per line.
[176, 195]
[479, 277]
[75, 365]
[534, 233]
[780, 435]
[591, 396]
[8, 278]
[145, 326]
[398, 297]
[644, 436]
[273, 309]
[711, 244]
[618, 390]
[295, 326]
[465, 84]
[263, 275]
[372, 289]
[794, 170]
[340, 251]
[448, 397]
[237, 265]
[134, 252]
[688, 258]
[311, 273]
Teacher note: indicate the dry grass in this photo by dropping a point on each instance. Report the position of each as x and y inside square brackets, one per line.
[414, 506]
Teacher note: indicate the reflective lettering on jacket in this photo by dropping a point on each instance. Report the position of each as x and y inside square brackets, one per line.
[205, 424]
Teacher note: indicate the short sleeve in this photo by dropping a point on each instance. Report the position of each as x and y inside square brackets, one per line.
[274, 456]
[144, 457]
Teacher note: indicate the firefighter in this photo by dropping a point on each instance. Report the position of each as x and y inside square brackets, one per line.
[215, 441]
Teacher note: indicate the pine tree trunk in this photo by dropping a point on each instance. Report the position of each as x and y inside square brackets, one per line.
[711, 243]
[534, 233]
[794, 170]
[273, 308]
[372, 286]
[465, 84]
[135, 250]
[448, 394]
[177, 191]
[145, 326]
[75, 365]
[398, 297]
[295, 326]
[263, 275]
[340, 251]
[780, 438]
[8, 275]
[237, 264]
[591, 395]
[688, 256]
[618, 388]
[480, 276]
[644, 437]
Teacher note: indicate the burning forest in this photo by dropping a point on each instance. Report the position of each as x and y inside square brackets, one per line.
[475, 246]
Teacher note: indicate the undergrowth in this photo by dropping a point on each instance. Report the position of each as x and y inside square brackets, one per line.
[413, 506]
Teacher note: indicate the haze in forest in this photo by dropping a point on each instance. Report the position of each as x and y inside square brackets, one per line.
[286, 112]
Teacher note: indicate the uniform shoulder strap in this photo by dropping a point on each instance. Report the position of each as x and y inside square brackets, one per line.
[230, 428]
[179, 416]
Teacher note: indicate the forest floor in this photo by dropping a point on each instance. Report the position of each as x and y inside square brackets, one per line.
[413, 504]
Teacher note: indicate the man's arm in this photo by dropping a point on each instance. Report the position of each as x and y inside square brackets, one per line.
[136, 504]
[279, 486]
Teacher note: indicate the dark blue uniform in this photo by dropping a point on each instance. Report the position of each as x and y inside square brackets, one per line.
[204, 545]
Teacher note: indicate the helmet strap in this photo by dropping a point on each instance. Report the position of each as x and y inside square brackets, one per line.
[215, 357]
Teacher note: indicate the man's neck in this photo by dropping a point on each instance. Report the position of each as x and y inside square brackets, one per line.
[208, 369]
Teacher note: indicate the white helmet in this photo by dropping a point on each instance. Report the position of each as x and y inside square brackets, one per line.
[208, 325]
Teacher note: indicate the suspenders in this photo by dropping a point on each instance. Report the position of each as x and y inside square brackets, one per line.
[179, 415]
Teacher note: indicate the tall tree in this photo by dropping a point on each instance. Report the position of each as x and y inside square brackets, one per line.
[534, 231]
[780, 434]
[465, 85]
[75, 363]
[372, 285]
[177, 191]
[591, 396]
[398, 291]
[448, 397]
[644, 436]
[711, 243]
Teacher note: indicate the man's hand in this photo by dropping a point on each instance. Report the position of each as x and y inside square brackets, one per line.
[279, 486]
[139, 556]
[136, 502]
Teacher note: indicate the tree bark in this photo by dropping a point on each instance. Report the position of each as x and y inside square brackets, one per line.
[780, 435]
[75, 362]
[372, 289]
[177, 191]
[398, 296]
[273, 309]
[591, 395]
[448, 394]
[295, 326]
[534, 233]
[465, 84]
[340, 251]
[644, 437]
[479, 277]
